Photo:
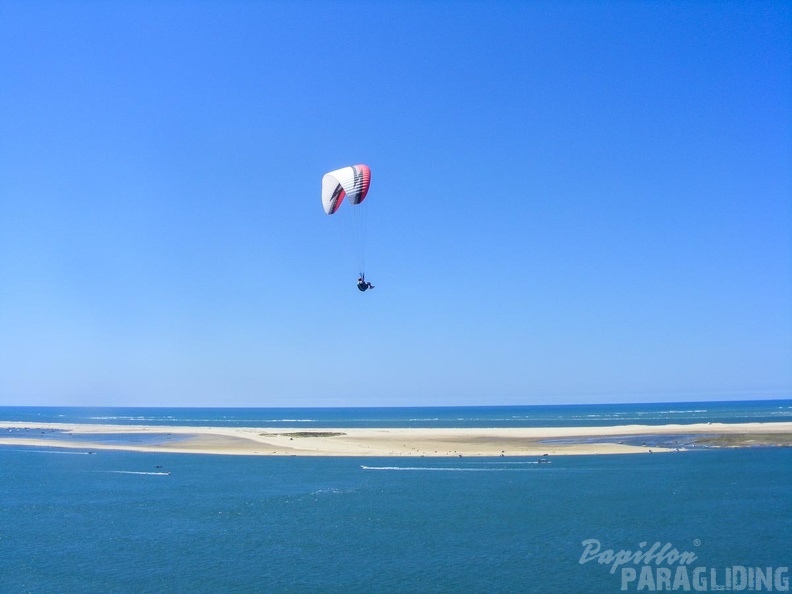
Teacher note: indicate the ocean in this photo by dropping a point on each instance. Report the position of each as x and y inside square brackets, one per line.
[71, 521]
[568, 415]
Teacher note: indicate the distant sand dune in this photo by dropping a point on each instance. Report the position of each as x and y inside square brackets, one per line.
[407, 442]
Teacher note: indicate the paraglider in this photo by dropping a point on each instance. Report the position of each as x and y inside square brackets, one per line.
[351, 183]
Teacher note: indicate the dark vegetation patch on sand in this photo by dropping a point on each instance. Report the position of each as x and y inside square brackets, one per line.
[308, 434]
[746, 440]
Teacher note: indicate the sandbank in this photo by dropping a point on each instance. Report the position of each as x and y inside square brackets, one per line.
[407, 442]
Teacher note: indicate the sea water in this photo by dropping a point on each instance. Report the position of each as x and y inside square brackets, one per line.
[569, 415]
[71, 521]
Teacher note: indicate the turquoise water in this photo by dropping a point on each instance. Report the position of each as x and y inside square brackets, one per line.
[577, 415]
[140, 522]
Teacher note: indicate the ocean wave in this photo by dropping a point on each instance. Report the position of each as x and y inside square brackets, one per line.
[333, 491]
[476, 416]
[200, 420]
[124, 418]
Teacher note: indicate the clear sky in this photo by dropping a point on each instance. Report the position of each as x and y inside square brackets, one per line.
[570, 202]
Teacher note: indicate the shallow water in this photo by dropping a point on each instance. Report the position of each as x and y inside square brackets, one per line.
[118, 522]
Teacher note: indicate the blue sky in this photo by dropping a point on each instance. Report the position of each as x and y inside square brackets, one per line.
[570, 202]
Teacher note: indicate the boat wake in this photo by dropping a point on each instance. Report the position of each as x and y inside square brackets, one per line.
[135, 472]
[54, 452]
[443, 468]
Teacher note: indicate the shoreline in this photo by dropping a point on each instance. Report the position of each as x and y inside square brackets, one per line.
[397, 442]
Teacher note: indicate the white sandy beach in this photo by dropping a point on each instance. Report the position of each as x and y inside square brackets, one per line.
[439, 442]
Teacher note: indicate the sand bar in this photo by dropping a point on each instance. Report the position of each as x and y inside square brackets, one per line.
[412, 442]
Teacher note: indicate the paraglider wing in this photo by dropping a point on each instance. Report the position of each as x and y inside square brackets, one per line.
[332, 193]
[352, 182]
